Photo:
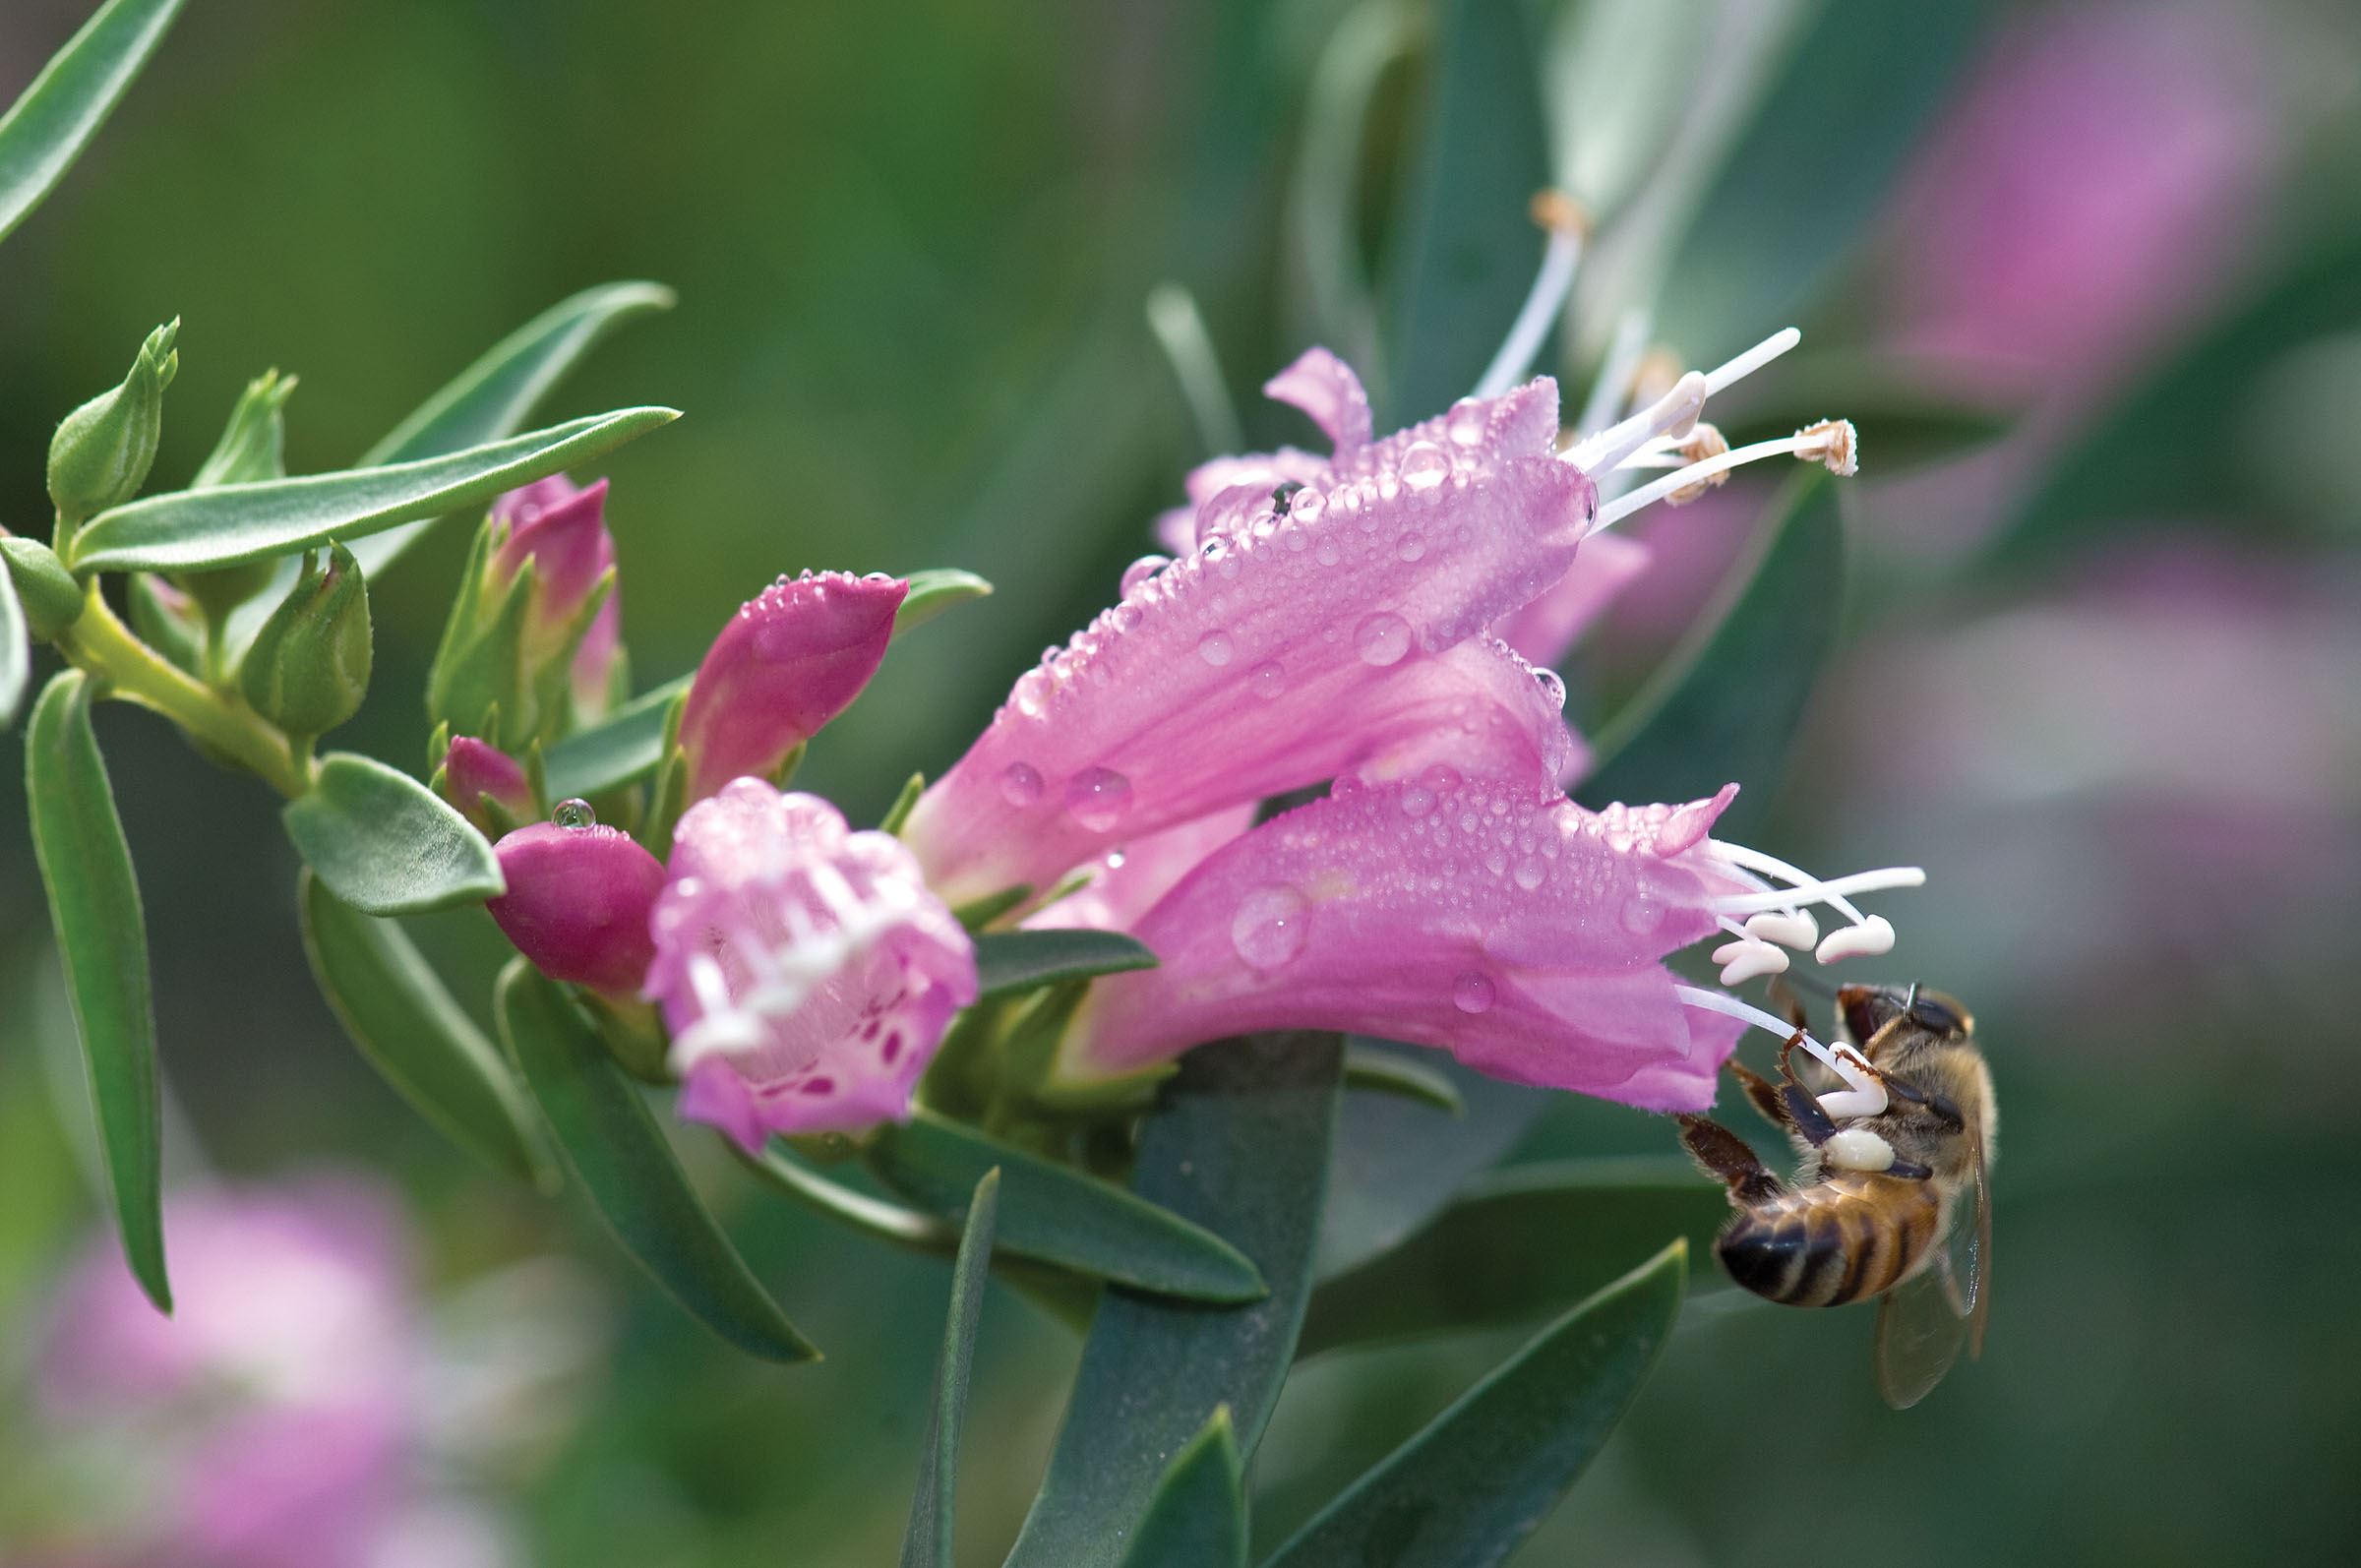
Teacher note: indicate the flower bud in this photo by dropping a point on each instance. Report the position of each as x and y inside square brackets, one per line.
[101, 454]
[533, 646]
[252, 447]
[53, 601]
[579, 901]
[308, 666]
[167, 621]
[791, 659]
[486, 785]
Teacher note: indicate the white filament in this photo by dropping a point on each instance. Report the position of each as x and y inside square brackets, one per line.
[1864, 1095]
[1673, 414]
[1731, 371]
[1608, 394]
[1647, 495]
[1542, 304]
[1828, 892]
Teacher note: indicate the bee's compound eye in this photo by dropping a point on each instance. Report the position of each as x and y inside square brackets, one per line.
[1935, 1013]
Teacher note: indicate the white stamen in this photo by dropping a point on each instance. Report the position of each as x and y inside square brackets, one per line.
[1731, 372]
[1754, 860]
[1866, 940]
[1790, 927]
[1673, 414]
[1865, 1095]
[1748, 958]
[1608, 394]
[1830, 444]
[1556, 212]
[1811, 892]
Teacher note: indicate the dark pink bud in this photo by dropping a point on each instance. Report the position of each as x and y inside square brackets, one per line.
[563, 531]
[577, 903]
[472, 772]
[790, 660]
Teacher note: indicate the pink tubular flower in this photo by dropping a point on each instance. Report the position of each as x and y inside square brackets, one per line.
[1319, 632]
[578, 902]
[475, 778]
[805, 972]
[1493, 918]
[792, 658]
[563, 530]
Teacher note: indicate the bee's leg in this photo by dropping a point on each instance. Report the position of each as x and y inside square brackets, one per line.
[1803, 1113]
[1763, 1094]
[1726, 1159]
[1782, 997]
[1910, 1170]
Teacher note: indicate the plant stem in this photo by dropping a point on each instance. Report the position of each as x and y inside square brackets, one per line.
[103, 644]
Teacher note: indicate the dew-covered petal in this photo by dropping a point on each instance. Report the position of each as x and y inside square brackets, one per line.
[1325, 387]
[1128, 881]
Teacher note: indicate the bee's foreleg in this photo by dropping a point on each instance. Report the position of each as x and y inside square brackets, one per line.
[1763, 1094]
[1726, 1159]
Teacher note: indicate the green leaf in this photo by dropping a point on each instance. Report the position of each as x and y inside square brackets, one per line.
[1239, 1144]
[1384, 1071]
[384, 843]
[1468, 1487]
[929, 1541]
[933, 592]
[48, 127]
[616, 1148]
[1054, 1213]
[226, 525]
[492, 397]
[102, 940]
[1012, 961]
[16, 649]
[1468, 250]
[1518, 1245]
[1197, 1518]
[628, 747]
[401, 1015]
[898, 813]
[1727, 702]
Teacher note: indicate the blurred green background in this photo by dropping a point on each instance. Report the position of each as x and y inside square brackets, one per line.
[2099, 671]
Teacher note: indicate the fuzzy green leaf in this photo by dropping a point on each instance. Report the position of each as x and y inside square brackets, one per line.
[617, 1149]
[492, 397]
[47, 127]
[403, 1020]
[929, 1541]
[225, 525]
[1726, 704]
[625, 747]
[1197, 1518]
[384, 843]
[1053, 1212]
[1011, 961]
[1518, 1245]
[1478, 1479]
[1239, 1144]
[102, 940]
[933, 592]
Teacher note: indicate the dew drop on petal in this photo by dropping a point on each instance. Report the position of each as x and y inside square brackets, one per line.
[1470, 993]
[1020, 784]
[1267, 679]
[1440, 777]
[1382, 639]
[1271, 925]
[1097, 797]
[1327, 553]
[1306, 505]
[1552, 688]
[574, 813]
[1216, 649]
[1466, 428]
[1418, 801]
[1424, 465]
[1642, 914]
[1140, 570]
[1528, 874]
[1411, 546]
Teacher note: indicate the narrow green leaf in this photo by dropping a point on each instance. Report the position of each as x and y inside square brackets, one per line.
[1055, 1214]
[1467, 1488]
[492, 397]
[227, 526]
[1011, 961]
[48, 127]
[929, 1541]
[1518, 1245]
[1469, 248]
[1725, 705]
[1239, 1144]
[628, 747]
[103, 941]
[933, 592]
[16, 649]
[1197, 1518]
[384, 843]
[1382, 1071]
[616, 1148]
[899, 811]
[403, 1017]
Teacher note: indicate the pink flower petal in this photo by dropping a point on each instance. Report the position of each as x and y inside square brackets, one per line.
[1545, 630]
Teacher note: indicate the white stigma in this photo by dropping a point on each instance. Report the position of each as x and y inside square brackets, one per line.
[1731, 371]
[1566, 225]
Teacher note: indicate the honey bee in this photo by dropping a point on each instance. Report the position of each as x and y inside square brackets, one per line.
[1888, 1204]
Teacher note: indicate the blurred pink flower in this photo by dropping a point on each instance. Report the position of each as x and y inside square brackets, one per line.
[805, 970]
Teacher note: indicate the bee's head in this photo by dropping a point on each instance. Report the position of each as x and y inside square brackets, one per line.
[1866, 1009]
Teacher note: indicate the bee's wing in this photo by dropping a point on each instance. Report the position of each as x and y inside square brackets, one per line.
[1922, 1322]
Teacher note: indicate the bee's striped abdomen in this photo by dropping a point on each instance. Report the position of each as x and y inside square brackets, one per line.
[1839, 1240]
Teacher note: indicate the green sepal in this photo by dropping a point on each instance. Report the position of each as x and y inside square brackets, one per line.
[933, 592]
[52, 599]
[102, 450]
[308, 666]
[978, 913]
[899, 811]
[253, 447]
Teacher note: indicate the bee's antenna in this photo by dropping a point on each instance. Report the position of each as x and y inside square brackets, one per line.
[1811, 984]
[1910, 1003]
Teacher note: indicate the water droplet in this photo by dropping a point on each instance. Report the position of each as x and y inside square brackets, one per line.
[1216, 649]
[1411, 545]
[1116, 859]
[1327, 554]
[1308, 506]
[1424, 465]
[1032, 688]
[1140, 570]
[1442, 777]
[1643, 913]
[1528, 874]
[1382, 638]
[1551, 687]
[1418, 801]
[1267, 679]
[1271, 925]
[1466, 428]
[1470, 993]
[1020, 784]
[574, 813]
[1097, 797]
